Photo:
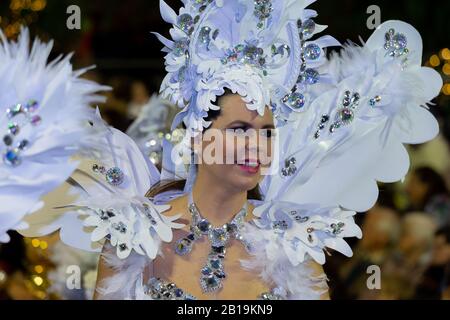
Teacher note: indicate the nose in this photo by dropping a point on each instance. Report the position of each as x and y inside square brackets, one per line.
[252, 145]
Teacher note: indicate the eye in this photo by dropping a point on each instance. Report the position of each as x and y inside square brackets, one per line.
[238, 131]
[268, 133]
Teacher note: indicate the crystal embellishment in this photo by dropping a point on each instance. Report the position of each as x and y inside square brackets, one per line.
[395, 44]
[290, 167]
[295, 100]
[157, 289]
[115, 176]
[307, 28]
[213, 271]
[312, 51]
[12, 155]
[186, 23]
[346, 114]
[263, 11]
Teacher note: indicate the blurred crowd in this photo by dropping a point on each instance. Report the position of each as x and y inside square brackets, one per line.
[406, 236]
[404, 252]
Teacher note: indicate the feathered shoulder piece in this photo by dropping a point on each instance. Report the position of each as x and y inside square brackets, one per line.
[44, 120]
[350, 138]
[105, 199]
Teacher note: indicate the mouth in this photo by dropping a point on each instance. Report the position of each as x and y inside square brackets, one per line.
[250, 166]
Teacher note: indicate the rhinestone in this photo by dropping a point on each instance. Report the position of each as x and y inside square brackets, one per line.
[218, 237]
[204, 226]
[346, 115]
[191, 237]
[120, 227]
[114, 176]
[250, 54]
[36, 120]
[317, 134]
[31, 106]
[183, 247]
[178, 293]
[280, 225]
[215, 34]
[204, 36]
[186, 23]
[310, 230]
[13, 128]
[123, 247]
[210, 283]
[14, 111]
[312, 51]
[171, 286]
[180, 48]
[265, 296]
[207, 271]
[218, 250]
[8, 140]
[23, 144]
[105, 215]
[355, 99]
[220, 274]
[215, 264]
[325, 118]
[296, 101]
[308, 28]
[156, 284]
[400, 41]
[12, 158]
[231, 227]
[311, 76]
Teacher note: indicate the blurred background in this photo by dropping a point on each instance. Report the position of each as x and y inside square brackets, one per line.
[407, 234]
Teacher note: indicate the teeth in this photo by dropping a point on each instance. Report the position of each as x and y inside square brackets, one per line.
[253, 165]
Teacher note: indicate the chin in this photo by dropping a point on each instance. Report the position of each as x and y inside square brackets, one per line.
[243, 180]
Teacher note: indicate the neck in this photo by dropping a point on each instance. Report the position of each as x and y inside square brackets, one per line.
[215, 202]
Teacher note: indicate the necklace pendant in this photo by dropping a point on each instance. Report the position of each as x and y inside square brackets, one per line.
[183, 246]
[213, 272]
[219, 237]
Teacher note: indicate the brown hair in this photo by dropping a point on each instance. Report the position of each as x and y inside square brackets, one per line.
[161, 187]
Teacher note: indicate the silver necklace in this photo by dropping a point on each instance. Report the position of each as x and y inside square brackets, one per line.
[213, 272]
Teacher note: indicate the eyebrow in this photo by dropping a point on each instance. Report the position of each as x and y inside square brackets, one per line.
[248, 124]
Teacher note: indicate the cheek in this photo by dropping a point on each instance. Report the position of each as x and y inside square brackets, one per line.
[265, 151]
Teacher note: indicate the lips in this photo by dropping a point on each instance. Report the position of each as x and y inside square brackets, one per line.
[250, 166]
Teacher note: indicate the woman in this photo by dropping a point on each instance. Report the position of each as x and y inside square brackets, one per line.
[220, 190]
[338, 135]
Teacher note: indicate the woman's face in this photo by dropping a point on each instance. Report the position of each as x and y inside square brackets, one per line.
[237, 148]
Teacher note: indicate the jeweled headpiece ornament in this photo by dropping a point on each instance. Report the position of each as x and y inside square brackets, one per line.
[260, 49]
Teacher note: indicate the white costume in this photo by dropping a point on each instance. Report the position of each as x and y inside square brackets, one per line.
[342, 125]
